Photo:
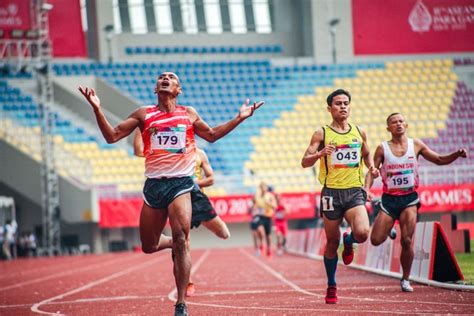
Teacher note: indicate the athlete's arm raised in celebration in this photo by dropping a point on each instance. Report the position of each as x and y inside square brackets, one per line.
[312, 154]
[111, 134]
[208, 180]
[438, 159]
[212, 134]
[366, 155]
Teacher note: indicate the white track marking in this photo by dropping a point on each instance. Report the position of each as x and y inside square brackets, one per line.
[279, 276]
[35, 307]
[327, 310]
[361, 299]
[172, 294]
[61, 274]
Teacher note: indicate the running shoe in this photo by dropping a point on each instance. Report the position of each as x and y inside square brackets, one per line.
[405, 285]
[269, 254]
[279, 252]
[181, 309]
[190, 290]
[331, 295]
[348, 252]
[393, 234]
[257, 252]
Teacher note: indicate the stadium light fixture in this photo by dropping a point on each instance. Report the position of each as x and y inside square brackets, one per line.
[16, 34]
[45, 7]
[332, 32]
[31, 34]
[109, 33]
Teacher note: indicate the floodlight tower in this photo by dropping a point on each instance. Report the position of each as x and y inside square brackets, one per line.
[34, 52]
[49, 181]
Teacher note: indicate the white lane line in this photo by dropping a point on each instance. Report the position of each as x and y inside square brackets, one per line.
[327, 310]
[62, 274]
[172, 294]
[35, 307]
[278, 275]
[360, 299]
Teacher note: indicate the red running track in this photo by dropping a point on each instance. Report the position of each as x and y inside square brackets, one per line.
[228, 282]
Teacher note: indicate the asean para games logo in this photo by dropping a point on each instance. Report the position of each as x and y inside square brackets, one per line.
[420, 18]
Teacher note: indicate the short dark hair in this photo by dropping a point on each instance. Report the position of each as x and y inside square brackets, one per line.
[390, 116]
[335, 93]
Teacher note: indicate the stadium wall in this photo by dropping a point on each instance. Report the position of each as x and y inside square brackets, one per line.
[22, 174]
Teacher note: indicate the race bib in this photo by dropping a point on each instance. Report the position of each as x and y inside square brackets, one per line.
[346, 156]
[400, 181]
[170, 139]
[327, 204]
[279, 215]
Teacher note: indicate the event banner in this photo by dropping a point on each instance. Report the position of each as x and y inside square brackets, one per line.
[412, 26]
[231, 208]
[66, 29]
[15, 15]
[443, 198]
[234, 208]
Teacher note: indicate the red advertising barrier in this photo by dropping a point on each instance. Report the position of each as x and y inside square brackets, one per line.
[412, 26]
[234, 208]
[442, 198]
[119, 213]
[15, 15]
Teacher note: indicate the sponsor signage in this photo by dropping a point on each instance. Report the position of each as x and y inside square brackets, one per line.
[15, 14]
[412, 26]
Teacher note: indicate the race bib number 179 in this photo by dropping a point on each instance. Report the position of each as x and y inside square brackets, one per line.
[170, 139]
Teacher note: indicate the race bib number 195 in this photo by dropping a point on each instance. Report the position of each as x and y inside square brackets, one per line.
[400, 181]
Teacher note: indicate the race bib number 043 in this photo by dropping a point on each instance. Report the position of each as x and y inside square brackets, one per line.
[346, 156]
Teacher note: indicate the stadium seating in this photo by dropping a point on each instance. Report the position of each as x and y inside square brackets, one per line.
[173, 50]
[269, 146]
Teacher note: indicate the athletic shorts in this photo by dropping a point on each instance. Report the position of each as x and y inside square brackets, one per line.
[335, 202]
[255, 222]
[394, 205]
[267, 224]
[281, 226]
[202, 208]
[159, 193]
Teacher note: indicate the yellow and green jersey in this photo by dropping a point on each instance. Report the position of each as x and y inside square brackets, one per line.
[344, 168]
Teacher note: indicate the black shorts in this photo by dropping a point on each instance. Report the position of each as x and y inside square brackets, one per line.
[335, 202]
[159, 193]
[394, 205]
[202, 208]
[255, 222]
[267, 224]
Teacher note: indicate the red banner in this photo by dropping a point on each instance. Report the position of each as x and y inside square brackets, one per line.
[234, 208]
[66, 29]
[412, 26]
[443, 198]
[119, 213]
[15, 15]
